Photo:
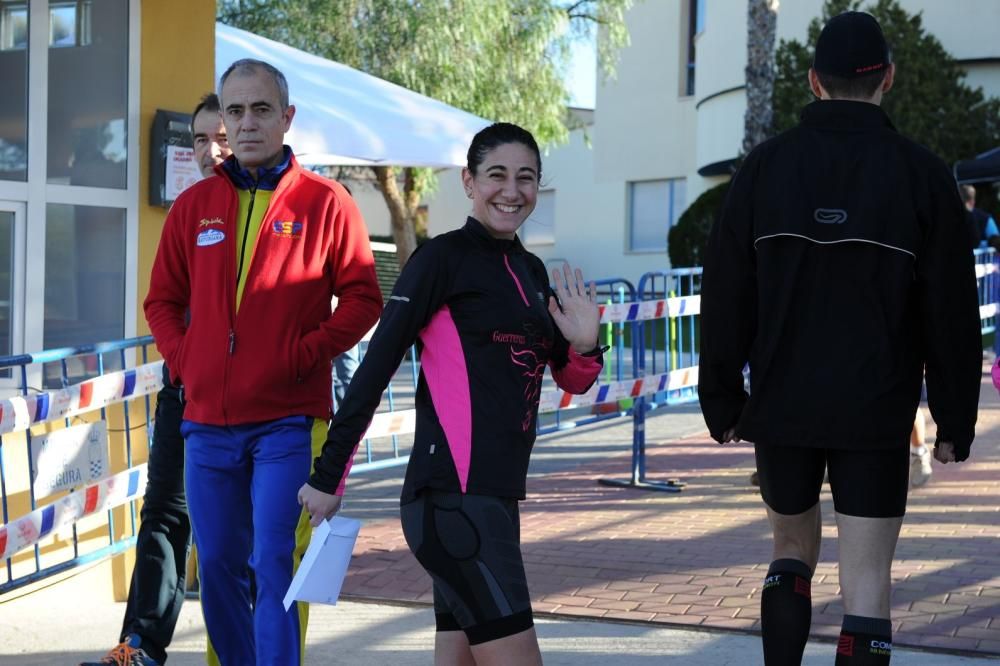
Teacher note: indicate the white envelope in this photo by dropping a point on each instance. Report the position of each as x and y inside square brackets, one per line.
[324, 565]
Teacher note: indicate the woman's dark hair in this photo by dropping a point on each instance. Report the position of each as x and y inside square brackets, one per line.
[496, 135]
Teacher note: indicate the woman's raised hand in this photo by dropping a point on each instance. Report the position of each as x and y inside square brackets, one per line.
[578, 317]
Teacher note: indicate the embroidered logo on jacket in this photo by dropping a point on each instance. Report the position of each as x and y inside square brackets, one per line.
[830, 215]
[530, 353]
[287, 229]
[507, 338]
[210, 237]
[209, 222]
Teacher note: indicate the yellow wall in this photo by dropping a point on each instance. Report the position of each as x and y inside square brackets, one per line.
[178, 67]
[177, 42]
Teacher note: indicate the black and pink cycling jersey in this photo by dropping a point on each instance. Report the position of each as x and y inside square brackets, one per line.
[477, 307]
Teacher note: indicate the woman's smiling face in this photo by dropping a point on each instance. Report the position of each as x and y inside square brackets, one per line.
[504, 188]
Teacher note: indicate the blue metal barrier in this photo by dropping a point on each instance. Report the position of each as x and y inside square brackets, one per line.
[643, 347]
[988, 279]
[678, 351]
[617, 362]
[60, 369]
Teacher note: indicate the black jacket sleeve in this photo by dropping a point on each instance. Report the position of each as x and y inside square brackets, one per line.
[949, 316]
[728, 306]
[419, 292]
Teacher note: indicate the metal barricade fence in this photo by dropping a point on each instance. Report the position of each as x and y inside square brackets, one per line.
[666, 310]
[558, 410]
[988, 279]
[63, 485]
[653, 329]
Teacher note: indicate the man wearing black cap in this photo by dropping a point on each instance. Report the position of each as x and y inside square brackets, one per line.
[839, 267]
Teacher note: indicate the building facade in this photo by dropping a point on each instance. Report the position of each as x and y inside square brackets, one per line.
[670, 124]
[82, 80]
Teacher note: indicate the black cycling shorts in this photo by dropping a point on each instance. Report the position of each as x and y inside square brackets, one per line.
[471, 547]
[865, 483]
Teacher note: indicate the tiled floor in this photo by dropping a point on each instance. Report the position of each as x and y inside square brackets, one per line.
[698, 557]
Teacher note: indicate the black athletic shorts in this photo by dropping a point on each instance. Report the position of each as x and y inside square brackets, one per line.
[471, 547]
[865, 483]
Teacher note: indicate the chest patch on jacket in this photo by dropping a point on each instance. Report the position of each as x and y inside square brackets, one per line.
[210, 237]
[287, 229]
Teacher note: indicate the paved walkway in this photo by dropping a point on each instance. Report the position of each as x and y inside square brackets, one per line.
[619, 576]
[698, 558]
[68, 622]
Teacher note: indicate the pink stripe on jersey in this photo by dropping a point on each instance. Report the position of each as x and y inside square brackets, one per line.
[443, 364]
[516, 281]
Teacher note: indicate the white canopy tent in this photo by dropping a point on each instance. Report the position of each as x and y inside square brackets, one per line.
[346, 117]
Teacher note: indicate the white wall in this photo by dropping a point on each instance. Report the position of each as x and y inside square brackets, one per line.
[647, 128]
[644, 117]
[372, 206]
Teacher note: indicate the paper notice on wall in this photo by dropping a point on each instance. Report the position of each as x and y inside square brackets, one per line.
[182, 171]
[69, 458]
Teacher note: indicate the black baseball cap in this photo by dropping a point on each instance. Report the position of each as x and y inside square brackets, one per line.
[851, 45]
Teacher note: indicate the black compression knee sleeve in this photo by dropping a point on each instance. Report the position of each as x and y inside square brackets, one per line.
[864, 641]
[786, 612]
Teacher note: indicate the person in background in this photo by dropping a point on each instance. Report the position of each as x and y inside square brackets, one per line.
[156, 590]
[982, 227]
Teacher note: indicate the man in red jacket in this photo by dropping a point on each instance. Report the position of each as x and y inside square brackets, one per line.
[256, 252]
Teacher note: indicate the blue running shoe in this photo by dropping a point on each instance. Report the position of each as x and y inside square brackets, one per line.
[126, 653]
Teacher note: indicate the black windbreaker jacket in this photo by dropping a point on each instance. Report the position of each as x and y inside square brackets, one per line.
[477, 306]
[840, 269]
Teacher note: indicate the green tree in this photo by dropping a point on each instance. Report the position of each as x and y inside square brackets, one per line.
[688, 239]
[499, 59]
[930, 102]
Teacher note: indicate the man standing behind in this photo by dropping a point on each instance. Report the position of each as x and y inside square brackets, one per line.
[257, 256]
[156, 591]
[982, 226]
[839, 267]
[211, 145]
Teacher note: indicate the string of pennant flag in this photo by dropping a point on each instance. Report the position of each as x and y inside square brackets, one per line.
[680, 306]
[404, 422]
[21, 412]
[108, 493]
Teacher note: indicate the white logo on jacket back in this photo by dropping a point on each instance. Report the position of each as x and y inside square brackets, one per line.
[830, 215]
[210, 237]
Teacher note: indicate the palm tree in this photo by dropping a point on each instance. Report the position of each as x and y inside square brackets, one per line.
[762, 16]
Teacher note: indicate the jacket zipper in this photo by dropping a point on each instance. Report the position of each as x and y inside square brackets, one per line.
[239, 269]
[243, 252]
[516, 281]
[232, 300]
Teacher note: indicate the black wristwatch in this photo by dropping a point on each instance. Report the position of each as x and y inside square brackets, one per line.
[597, 351]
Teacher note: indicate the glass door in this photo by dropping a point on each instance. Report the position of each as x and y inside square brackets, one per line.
[11, 284]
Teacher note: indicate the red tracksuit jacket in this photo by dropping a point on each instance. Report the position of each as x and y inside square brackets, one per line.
[270, 358]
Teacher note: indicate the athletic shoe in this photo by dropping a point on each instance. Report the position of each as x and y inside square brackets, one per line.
[126, 653]
[920, 466]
